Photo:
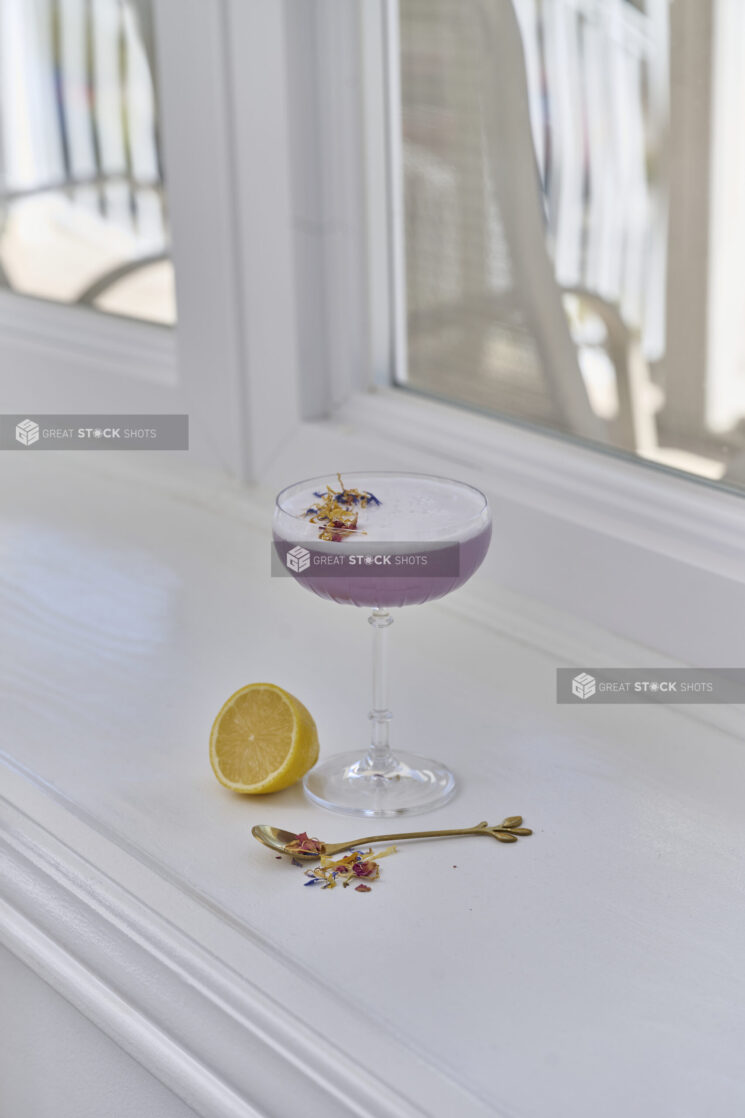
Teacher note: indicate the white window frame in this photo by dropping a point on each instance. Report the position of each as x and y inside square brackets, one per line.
[223, 104]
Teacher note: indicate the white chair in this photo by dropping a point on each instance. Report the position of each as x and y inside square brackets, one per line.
[500, 223]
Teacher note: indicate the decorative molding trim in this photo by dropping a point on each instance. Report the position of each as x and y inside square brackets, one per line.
[228, 1046]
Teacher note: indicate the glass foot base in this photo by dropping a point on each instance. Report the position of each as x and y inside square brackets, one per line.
[406, 785]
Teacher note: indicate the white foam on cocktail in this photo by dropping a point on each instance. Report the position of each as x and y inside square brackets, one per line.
[410, 509]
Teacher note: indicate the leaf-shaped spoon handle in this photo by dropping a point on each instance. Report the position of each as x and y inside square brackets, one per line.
[506, 831]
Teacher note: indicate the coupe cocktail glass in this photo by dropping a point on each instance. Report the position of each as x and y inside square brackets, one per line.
[435, 533]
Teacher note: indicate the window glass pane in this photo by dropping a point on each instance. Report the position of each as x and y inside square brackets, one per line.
[574, 218]
[83, 215]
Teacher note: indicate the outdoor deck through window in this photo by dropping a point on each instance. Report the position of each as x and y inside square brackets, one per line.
[574, 218]
[83, 207]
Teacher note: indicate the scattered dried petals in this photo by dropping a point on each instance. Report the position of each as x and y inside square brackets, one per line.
[366, 869]
[361, 888]
[383, 853]
[357, 864]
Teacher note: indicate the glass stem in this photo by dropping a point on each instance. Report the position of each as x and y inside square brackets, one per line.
[379, 755]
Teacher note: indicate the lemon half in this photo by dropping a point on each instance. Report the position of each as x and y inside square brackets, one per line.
[262, 740]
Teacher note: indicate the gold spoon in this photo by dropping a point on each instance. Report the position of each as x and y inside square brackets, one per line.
[506, 831]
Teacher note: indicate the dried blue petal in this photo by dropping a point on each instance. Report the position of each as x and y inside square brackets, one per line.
[314, 881]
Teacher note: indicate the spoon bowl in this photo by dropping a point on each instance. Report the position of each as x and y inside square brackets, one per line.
[278, 840]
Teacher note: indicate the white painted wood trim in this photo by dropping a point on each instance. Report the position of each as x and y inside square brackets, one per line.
[725, 383]
[104, 930]
[102, 345]
[337, 161]
[259, 228]
[660, 509]
[386, 293]
[222, 121]
[394, 215]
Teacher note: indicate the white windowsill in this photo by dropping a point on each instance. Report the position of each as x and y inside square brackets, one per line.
[582, 964]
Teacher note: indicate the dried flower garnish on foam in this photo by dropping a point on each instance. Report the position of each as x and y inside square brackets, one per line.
[355, 867]
[337, 512]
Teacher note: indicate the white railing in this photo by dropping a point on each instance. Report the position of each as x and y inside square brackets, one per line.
[598, 87]
[78, 117]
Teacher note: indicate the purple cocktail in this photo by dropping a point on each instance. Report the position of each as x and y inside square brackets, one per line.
[381, 540]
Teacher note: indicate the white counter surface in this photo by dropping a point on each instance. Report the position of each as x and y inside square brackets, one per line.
[597, 967]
